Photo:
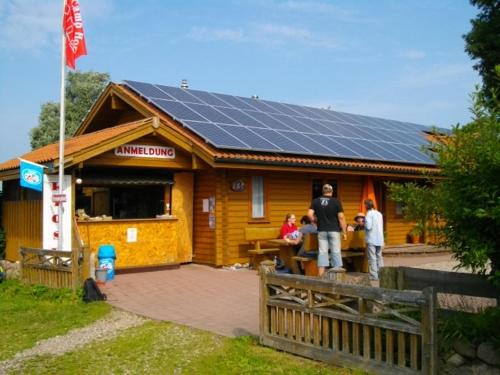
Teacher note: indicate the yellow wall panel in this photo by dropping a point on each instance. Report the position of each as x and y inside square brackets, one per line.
[22, 222]
[182, 209]
[156, 240]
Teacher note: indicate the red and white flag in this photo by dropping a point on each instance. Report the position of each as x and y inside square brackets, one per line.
[73, 31]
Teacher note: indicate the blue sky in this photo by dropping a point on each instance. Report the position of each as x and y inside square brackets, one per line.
[401, 60]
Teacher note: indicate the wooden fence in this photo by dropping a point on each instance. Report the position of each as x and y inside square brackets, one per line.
[55, 269]
[380, 330]
[466, 284]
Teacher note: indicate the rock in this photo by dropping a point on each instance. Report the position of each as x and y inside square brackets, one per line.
[456, 360]
[488, 353]
[356, 278]
[462, 370]
[465, 349]
[482, 368]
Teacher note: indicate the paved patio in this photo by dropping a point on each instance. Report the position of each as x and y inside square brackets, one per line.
[217, 300]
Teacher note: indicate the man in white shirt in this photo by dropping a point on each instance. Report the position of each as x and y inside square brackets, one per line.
[374, 237]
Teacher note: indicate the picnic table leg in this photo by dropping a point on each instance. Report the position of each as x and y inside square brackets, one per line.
[286, 254]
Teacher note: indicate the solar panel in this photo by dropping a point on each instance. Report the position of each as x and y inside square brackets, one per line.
[250, 138]
[234, 122]
[242, 118]
[215, 135]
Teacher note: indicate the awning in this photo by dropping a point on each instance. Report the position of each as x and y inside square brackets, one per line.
[146, 178]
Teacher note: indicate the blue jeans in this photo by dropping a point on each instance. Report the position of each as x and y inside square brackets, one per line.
[329, 241]
[375, 260]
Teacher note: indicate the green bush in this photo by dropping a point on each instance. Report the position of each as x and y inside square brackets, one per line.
[473, 328]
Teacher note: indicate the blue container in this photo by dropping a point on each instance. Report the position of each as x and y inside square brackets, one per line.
[107, 255]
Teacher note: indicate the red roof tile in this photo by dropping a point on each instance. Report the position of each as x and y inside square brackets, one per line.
[71, 145]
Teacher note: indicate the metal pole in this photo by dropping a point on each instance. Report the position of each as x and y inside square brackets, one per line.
[61, 139]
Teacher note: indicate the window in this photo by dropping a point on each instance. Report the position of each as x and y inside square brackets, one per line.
[258, 197]
[317, 187]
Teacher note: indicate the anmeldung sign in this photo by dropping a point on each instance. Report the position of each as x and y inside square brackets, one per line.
[145, 151]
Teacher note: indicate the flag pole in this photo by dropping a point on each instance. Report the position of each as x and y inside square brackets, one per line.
[61, 137]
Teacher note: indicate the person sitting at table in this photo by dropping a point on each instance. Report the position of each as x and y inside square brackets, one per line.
[360, 222]
[289, 231]
[307, 227]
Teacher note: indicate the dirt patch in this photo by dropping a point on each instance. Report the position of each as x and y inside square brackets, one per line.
[103, 329]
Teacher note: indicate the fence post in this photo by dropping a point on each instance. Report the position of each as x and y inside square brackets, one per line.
[75, 268]
[264, 269]
[429, 332]
[388, 278]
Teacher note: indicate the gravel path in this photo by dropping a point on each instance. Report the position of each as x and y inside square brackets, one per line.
[104, 329]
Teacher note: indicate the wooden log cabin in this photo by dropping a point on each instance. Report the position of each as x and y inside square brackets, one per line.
[170, 175]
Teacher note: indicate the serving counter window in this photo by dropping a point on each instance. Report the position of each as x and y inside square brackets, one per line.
[122, 195]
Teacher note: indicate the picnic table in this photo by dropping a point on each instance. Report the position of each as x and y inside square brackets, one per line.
[353, 250]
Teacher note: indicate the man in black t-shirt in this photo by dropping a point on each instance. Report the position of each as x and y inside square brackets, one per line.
[331, 221]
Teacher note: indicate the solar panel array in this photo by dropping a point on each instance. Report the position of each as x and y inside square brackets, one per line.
[239, 123]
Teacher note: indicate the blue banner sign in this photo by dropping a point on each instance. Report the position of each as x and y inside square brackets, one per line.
[31, 175]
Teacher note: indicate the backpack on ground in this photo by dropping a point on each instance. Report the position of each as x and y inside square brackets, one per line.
[91, 291]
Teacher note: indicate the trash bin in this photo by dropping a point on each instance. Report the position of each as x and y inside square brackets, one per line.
[101, 275]
[106, 255]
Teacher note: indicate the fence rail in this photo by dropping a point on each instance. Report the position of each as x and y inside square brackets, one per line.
[381, 330]
[55, 269]
[443, 282]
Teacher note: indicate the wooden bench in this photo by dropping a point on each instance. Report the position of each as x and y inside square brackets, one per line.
[258, 237]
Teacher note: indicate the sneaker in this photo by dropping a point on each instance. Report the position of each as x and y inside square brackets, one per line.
[338, 269]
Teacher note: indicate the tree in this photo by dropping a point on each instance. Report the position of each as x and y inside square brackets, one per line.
[483, 42]
[82, 89]
[417, 202]
[468, 196]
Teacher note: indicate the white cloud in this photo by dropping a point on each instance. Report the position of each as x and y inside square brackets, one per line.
[435, 75]
[29, 24]
[413, 54]
[205, 34]
[265, 34]
[36, 24]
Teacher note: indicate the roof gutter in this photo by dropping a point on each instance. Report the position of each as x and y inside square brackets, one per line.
[340, 167]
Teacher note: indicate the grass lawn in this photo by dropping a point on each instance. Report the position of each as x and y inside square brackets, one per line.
[32, 313]
[167, 348]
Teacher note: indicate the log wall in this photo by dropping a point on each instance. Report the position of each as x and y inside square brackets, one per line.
[22, 221]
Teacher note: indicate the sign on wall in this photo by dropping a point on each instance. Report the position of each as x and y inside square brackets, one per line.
[145, 151]
[31, 175]
[51, 201]
[211, 212]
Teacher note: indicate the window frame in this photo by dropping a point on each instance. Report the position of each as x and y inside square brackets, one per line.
[265, 201]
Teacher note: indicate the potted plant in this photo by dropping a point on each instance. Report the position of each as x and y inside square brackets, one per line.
[416, 233]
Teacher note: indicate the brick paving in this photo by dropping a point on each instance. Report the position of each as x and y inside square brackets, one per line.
[217, 300]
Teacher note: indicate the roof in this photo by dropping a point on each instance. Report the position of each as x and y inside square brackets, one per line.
[73, 145]
[238, 124]
[318, 162]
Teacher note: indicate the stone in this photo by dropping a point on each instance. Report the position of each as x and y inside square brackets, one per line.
[356, 278]
[482, 368]
[456, 360]
[465, 349]
[462, 370]
[488, 353]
